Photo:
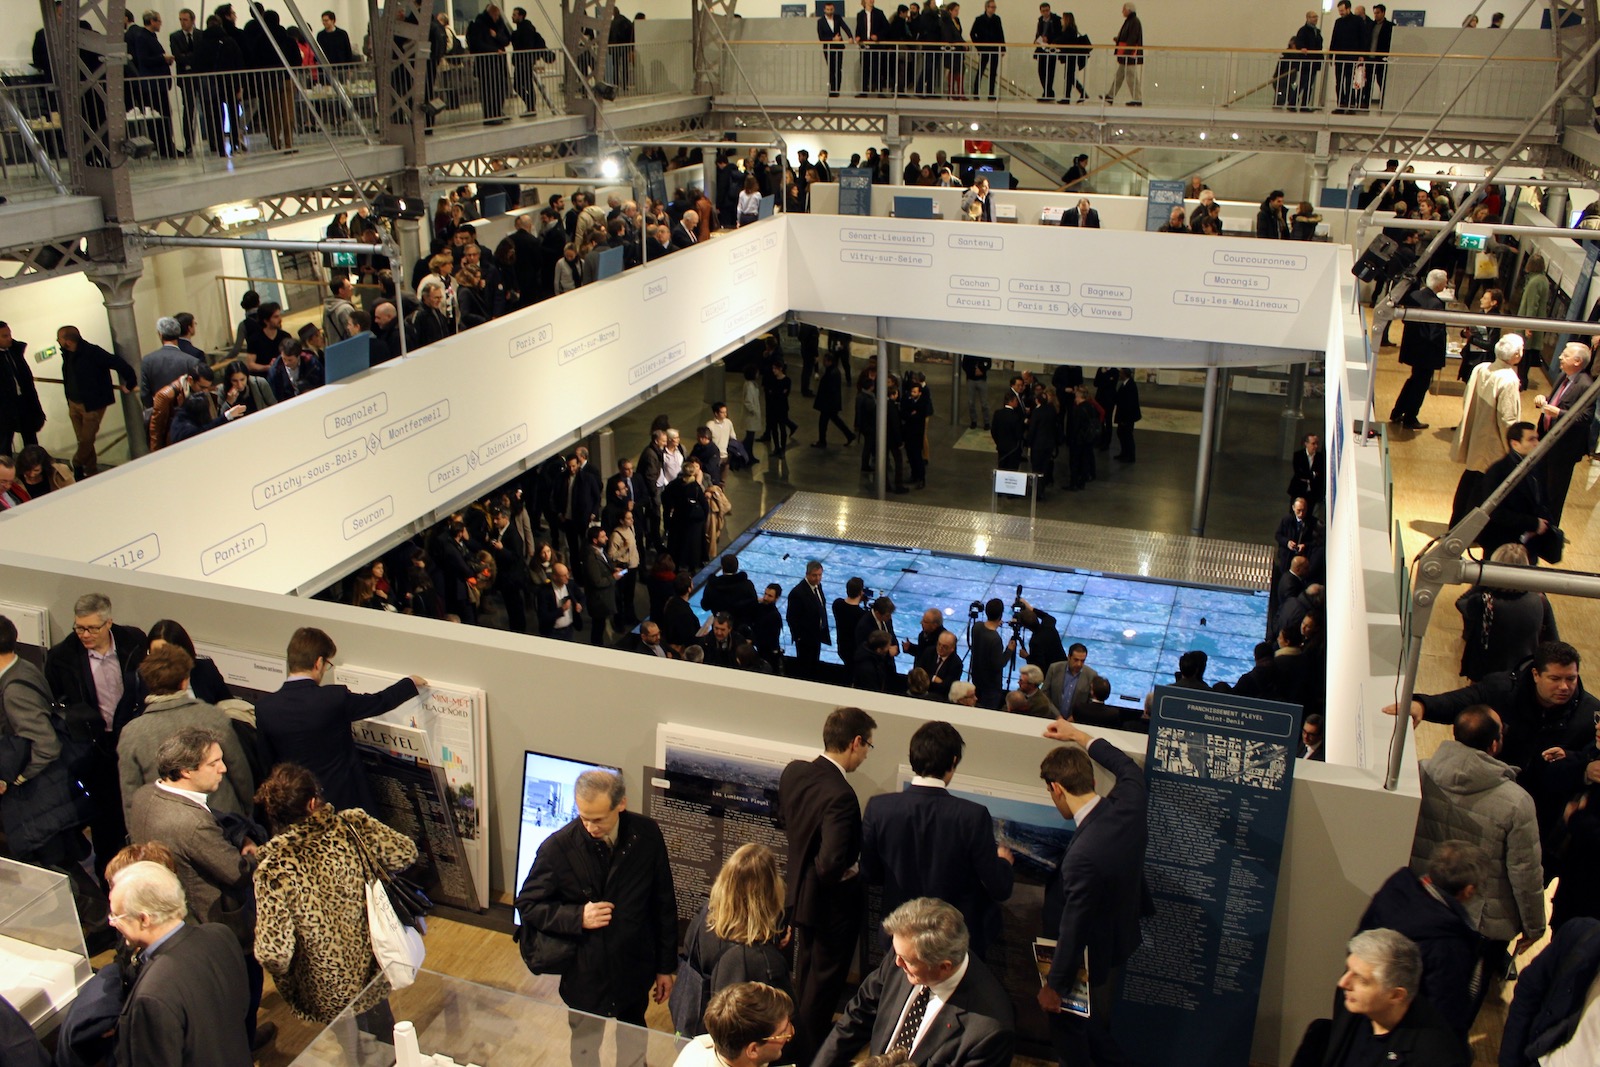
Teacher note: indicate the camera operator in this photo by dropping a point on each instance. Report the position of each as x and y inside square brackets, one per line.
[848, 612]
[990, 655]
[1044, 645]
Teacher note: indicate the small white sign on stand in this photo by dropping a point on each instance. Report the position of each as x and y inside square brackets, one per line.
[1016, 483]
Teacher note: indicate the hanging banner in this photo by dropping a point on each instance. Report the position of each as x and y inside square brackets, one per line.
[1160, 198]
[1218, 769]
[855, 190]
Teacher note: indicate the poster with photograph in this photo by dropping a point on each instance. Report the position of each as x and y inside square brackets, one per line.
[454, 719]
[724, 757]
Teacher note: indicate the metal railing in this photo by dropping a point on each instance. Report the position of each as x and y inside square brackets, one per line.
[1211, 79]
[214, 117]
[32, 118]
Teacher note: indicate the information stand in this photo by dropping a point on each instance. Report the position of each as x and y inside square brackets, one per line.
[1016, 484]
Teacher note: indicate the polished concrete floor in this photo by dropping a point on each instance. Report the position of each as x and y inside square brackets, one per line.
[1249, 473]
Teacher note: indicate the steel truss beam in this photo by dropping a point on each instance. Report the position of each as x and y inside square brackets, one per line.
[54, 259]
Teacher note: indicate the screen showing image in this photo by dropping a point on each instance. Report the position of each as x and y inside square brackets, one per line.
[547, 804]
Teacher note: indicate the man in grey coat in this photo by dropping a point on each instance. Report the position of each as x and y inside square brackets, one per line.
[1069, 683]
[172, 707]
[215, 874]
[1469, 795]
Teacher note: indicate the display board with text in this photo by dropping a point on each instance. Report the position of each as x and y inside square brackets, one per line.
[1218, 770]
[1267, 293]
[323, 477]
[453, 719]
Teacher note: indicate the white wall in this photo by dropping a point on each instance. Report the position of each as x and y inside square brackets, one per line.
[1344, 836]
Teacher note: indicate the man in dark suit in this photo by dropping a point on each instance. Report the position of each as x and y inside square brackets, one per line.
[150, 66]
[488, 37]
[819, 812]
[600, 577]
[1096, 901]
[942, 664]
[1573, 444]
[924, 842]
[930, 998]
[1047, 32]
[1421, 349]
[807, 616]
[185, 46]
[1524, 512]
[600, 893]
[1007, 429]
[1127, 413]
[871, 27]
[1082, 216]
[879, 619]
[1310, 476]
[833, 33]
[579, 502]
[1295, 534]
[683, 233]
[89, 668]
[308, 723]
[20, 410]
[188, 1004]
[560, 605]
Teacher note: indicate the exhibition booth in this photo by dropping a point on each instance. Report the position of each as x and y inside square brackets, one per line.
[335, 476]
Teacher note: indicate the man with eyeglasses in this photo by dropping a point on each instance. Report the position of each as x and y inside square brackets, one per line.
[819, 811]
[308, 723]
[747, 1025]
[1548, 721]
[189, 1002]
[86, 671]
[930, 998]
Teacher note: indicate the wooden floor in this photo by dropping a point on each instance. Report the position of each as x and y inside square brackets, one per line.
[1424, 483]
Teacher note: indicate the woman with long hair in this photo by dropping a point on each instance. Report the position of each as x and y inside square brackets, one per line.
[739, 935]
[311, 904]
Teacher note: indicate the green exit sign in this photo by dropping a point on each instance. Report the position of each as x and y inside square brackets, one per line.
[1471, 242]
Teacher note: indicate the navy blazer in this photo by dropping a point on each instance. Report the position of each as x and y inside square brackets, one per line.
[819, 812]
[309, 724]
[926, 842]
[974, 1028]
[1100, 894]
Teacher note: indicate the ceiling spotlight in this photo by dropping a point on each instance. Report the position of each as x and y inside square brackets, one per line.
[1202, 135]
[609, 169]
[1235, 137]
[974, 127]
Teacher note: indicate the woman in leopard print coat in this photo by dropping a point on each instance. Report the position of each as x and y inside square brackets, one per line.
[311, 906]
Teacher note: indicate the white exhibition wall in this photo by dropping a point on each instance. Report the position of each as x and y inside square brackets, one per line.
[1245, 292]
[336, 471]
[1345, 835]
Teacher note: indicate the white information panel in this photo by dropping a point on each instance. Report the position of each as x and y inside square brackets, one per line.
[1011, 483]
[312, 483]
[33, 624]
[1244, 292]
[455, 718]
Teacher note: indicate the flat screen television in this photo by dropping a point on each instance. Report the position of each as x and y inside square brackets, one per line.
[547, 804]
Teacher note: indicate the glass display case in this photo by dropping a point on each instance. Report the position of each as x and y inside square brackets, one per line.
[42, 958]
[456, 1022]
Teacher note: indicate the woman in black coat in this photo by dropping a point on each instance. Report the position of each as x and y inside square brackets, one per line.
[830, 401]
[739, 935]
[1501, 627]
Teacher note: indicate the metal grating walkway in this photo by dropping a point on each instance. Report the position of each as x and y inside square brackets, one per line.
[1138, 553]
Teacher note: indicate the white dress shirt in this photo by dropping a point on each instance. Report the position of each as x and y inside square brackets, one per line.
[937, 995]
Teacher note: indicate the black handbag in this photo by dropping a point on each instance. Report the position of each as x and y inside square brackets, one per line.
[411, 905]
